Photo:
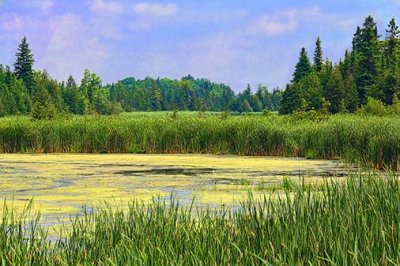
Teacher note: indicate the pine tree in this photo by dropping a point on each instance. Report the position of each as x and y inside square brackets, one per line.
[23, 65]
[318, 61]
[303, 66]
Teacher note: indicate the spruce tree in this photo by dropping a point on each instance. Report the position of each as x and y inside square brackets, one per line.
[318, 61]
[368, 65]
[23, 65]
[391, 47]
[303, 66]
[357, 39]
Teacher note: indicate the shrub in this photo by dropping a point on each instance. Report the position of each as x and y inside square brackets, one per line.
[373, 107]
[45, 111]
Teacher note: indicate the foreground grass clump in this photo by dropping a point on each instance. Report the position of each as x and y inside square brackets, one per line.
[374, 141]
[354, 222]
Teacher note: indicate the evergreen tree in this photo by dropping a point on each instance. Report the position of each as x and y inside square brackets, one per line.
[312, 92]
[155, 96]
[350, 95]
[47, 90]
[345, 65]
[318, 61]
[291, 100]
[245, 107]
[326, 73]
[72, 98]
[390, 85]
[357, 39]
[8, 100]
[391, 47]
[368, 66]
[303, 67]
[23, 65]
[334, 91]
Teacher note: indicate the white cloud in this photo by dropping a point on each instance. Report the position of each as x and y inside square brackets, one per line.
[155, 9]
[284, 21]
[106, 6]
[72, 48]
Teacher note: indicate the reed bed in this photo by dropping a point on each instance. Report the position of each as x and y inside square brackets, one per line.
[374, 141]
[355, 222]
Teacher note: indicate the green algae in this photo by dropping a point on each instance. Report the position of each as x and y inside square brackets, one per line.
[63, 185]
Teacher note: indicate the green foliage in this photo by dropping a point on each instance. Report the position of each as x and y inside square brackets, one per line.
[308, 115]
[303, 66]
[291, 100]
[391, 49]
[245, 107]
[368, 52]
[371, 69]
[318, 56]
[395, 107]
[23, 65]
[334, 91]
[305, 95]
[74, 100]
[43, 111]
[374, 107]
[312, 91]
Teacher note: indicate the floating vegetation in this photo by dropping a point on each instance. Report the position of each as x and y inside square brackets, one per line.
[354, 222]
[61, 184]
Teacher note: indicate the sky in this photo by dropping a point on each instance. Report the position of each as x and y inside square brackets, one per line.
[235, 42]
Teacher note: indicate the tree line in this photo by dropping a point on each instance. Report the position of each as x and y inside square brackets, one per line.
[25, 90]
[369, 72]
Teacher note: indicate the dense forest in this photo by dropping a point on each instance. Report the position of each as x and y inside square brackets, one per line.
[368, 74]
[25, 90]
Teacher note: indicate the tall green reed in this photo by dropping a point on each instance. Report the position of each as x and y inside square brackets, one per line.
[354, 222]
[373, 141]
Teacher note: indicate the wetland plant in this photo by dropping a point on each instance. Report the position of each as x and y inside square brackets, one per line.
[372, 141]
[355, 222]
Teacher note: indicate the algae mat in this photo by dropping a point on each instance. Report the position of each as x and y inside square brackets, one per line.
[65, 184]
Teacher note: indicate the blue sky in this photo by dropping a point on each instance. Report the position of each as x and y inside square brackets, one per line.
[235, 42]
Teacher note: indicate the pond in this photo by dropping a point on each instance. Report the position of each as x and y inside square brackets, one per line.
[62, 185]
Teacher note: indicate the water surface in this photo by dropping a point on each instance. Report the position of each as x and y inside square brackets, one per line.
[63, 184]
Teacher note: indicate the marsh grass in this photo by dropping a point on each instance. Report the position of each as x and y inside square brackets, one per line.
[355, 222]
[373, 141]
